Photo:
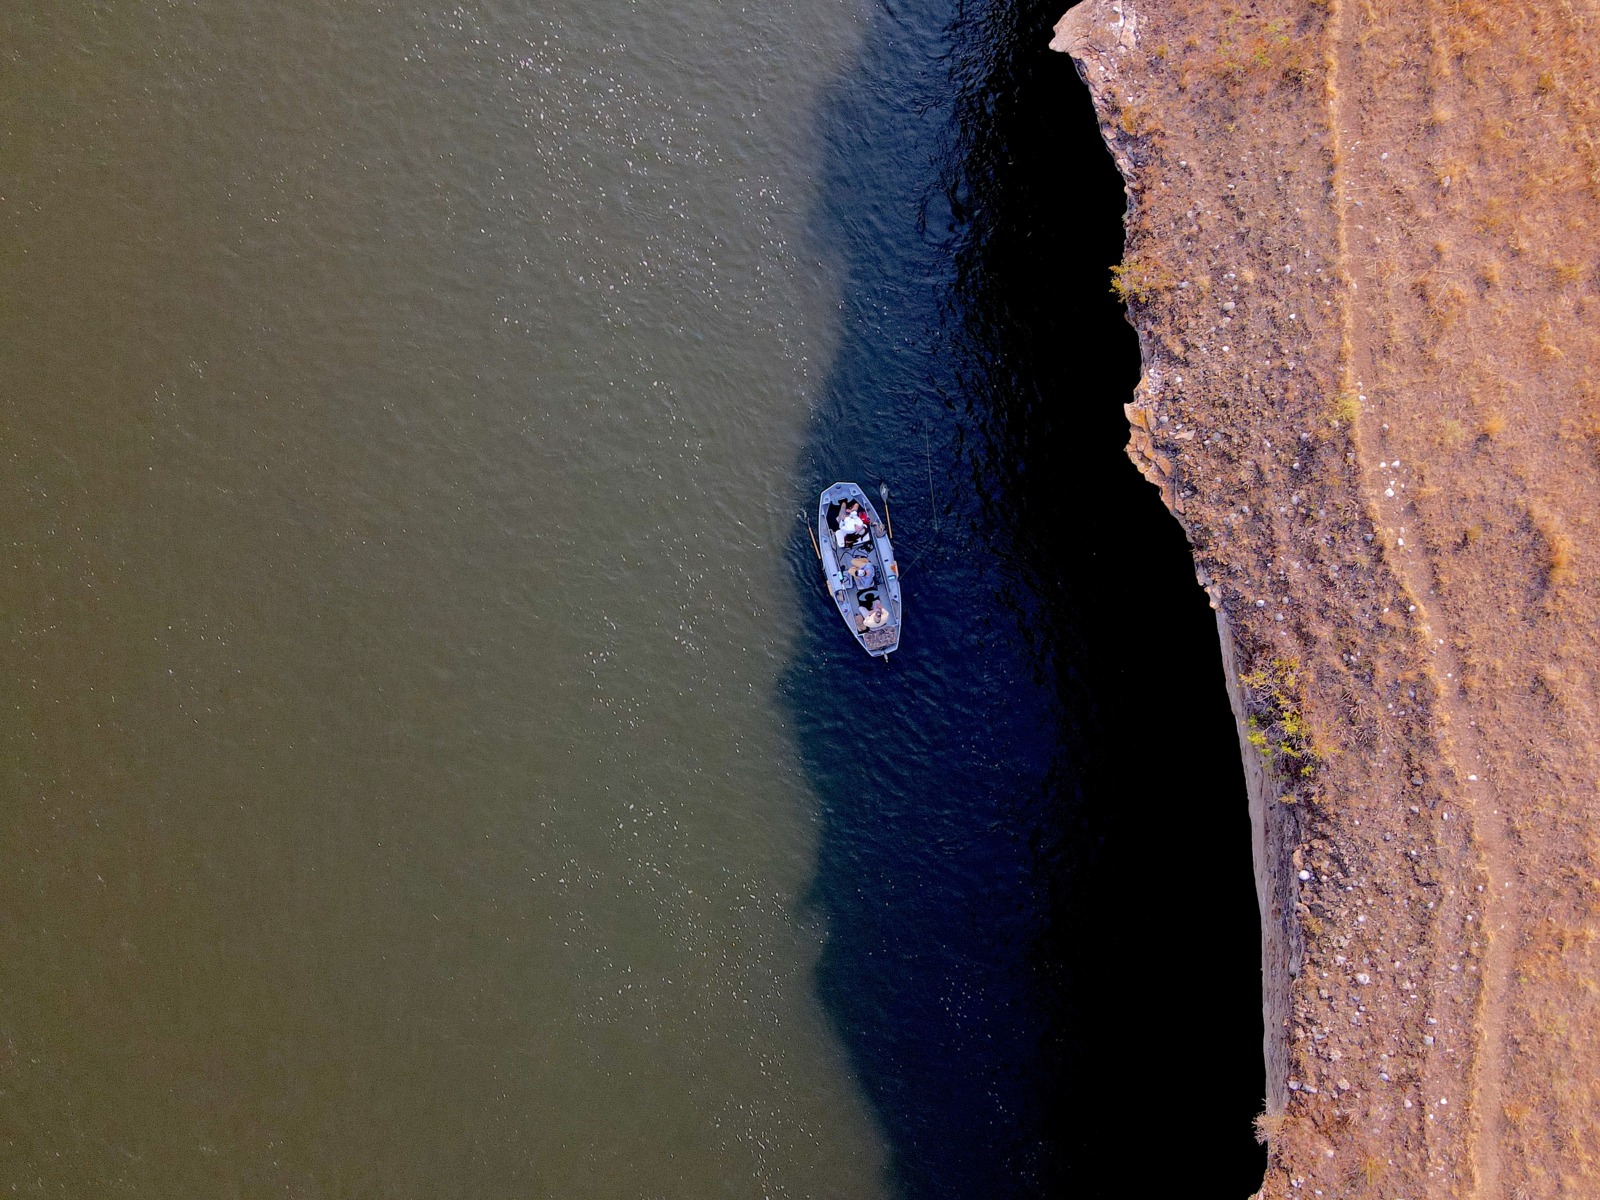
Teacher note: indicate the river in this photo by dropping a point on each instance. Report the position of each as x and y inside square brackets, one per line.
[431, 770]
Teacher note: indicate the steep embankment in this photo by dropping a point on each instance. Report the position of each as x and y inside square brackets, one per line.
[1360, 260]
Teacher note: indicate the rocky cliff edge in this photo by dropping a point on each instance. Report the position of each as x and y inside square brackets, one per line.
[1359, 260]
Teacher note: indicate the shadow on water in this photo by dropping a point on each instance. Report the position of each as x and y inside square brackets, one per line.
[1034, 857]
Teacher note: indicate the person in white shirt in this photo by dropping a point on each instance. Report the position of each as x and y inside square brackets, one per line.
[852, 524]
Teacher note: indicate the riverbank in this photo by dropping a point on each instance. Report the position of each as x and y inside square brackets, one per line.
[1358, 262]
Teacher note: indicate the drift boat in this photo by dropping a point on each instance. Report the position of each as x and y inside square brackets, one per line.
[858, 567]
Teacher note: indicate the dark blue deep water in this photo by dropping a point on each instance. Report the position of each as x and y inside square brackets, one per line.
[1042, 947]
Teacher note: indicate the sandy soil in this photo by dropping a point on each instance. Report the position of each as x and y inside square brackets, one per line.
[1363, 262]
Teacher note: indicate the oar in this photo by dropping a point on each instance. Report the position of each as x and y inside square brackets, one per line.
[813, 534]
[883, 490]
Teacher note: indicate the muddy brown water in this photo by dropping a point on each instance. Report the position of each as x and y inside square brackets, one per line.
[400, 409]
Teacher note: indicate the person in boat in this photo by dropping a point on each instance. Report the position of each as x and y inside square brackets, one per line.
[862, 572]
[872, 614]
[852, 524]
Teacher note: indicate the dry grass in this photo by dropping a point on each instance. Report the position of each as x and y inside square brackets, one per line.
[1269, 1126]
[1141, 279]
[1263, 50]
[1345, 410]
[1555, 545]
[1368, 1171]
[1136, 120]
[1567, 272]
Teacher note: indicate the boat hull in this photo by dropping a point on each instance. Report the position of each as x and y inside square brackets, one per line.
[842, 574]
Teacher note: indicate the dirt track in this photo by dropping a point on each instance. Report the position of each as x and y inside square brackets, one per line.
[1361, 261]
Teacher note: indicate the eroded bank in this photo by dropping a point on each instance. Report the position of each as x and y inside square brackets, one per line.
[1355, 260]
